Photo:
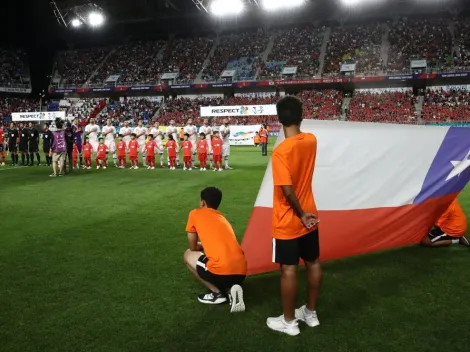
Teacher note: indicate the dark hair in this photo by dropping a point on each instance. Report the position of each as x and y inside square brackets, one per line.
[289, 111]
[133, 135]
[150, 135]
[202, 134]
[170, 137]
[186, 135]
[59, 123]
[212, 196]
[120, 135]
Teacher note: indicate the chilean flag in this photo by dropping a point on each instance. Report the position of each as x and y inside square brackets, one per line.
[376, 186]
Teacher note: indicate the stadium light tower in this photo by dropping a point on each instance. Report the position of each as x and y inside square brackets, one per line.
[76, 23]
[274, 5]
[226, 7]
[95, 19]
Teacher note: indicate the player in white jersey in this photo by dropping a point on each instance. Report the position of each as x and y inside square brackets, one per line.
[109, 134]
[174, 132]
[157, 134]
[224, 131]
[192, 131]
[141, 134]
[207, 130]
[126, 132]
[92, 130]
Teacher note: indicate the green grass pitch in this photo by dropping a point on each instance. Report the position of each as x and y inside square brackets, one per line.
[93, 262]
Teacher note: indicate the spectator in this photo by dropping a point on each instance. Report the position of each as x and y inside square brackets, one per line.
[76, 66]
[446, 106]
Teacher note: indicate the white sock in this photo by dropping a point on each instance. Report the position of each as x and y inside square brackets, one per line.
[308, 311]
[226, 163]
[455, 241]
[115, 158]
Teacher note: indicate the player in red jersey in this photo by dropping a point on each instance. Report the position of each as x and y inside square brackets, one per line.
[121, 152]
[2, 146]
[172, 149]
[102, 155]
[75, 155]
[150, 147]
[202, 148]
[87, 150]
[217, 152]
[187, 147]
[134, 152]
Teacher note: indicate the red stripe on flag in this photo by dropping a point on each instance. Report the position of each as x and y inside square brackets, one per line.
[344, 233]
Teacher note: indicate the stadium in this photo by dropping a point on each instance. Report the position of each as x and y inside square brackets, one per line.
[96, 259]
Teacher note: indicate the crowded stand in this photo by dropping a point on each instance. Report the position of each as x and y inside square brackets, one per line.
[86, 108]
[13, 67]
[446, 106]
[131, 110]
[187, 57]
[419, 39]
[462, 47]
[9, 104]
[76, 66]
[183, 108]
[240, 52]
[322, 104]
[133, 62]
[359, 45]
[295, 47]
[383, 106]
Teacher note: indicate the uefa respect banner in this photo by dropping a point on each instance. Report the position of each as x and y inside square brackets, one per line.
[240, 110]
[243, 135]
[38, 116]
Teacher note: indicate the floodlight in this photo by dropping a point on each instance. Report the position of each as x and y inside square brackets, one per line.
[352, 2]
[95, 19]
[76, 22]
[272, 5]
[226, 7]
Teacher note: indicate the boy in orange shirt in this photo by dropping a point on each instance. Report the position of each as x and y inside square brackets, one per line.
[75, 155]
[257, 139]
[222, 267]
[121, 152]
[450, 228]
[102, 155]
[133, 152]
[187, 147]
[202, 148]
[87, 150]
[217, 151]
[295, 222]
[150, 148]
[171, 148]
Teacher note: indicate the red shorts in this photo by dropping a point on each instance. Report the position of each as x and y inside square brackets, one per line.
[150, 158]
[202, 157]
[121, 157]
[132, 157]
[172, 157]
[187, 159]
[87, 156]
[217, 158]
[101, 157]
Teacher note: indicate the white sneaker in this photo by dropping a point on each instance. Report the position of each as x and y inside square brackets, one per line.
[309, 318]
[236, 299]
[148, 167]
[201, 169]
[104, 167]
[136, 167]
[88, 168]
[228, 168]
[3, 164]
[184, 169]
[220, 169]
[152, 168]
[97, 167]
[215, 169]
[190, 169]
[281, 325]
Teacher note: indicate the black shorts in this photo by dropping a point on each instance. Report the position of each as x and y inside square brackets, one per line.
[436, 235]
[23, 148]
[222, 282]
[1, 148]
[288, 252]
[12, 147]
[33, 148]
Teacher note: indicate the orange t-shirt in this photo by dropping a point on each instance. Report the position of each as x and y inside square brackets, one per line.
[150, 147]
[263, 133]
[220, 245]
[171, 148]
[133, 148]
[202, 147]
[453, 222]
[87, 149]
[293, 162]
[187, 147]
[217, 146]
[102, 149]
[257, 139]
[121, 148]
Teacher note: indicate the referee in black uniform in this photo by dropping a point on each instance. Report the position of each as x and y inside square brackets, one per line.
[23, 147]
[33, 145]
[12, 143]
[47, 138]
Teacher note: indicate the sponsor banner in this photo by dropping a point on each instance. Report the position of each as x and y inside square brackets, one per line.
[418, 63]
[243, 135]
[292, 70]
[453, 74]
[256, 95]
[368, 79]
[38, 116]
[228, 73]
[108, 89]
[180, 86]
[112, 78]
[170, 75]
[401, 77]
[222, 85]
[140, 88]
[348, 67]
[15, 90]
[382, 90]
[247, 110]
[310, 81]
[447, 88]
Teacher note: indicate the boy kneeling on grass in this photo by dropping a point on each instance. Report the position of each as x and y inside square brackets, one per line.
[222, 266]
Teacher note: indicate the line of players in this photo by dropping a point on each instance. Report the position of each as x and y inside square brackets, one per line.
[22, 139]
[149, 142]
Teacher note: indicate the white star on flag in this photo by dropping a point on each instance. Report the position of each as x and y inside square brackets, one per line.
[459, 167]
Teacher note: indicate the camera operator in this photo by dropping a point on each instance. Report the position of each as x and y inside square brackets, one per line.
[59, 148]
[69, 139]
